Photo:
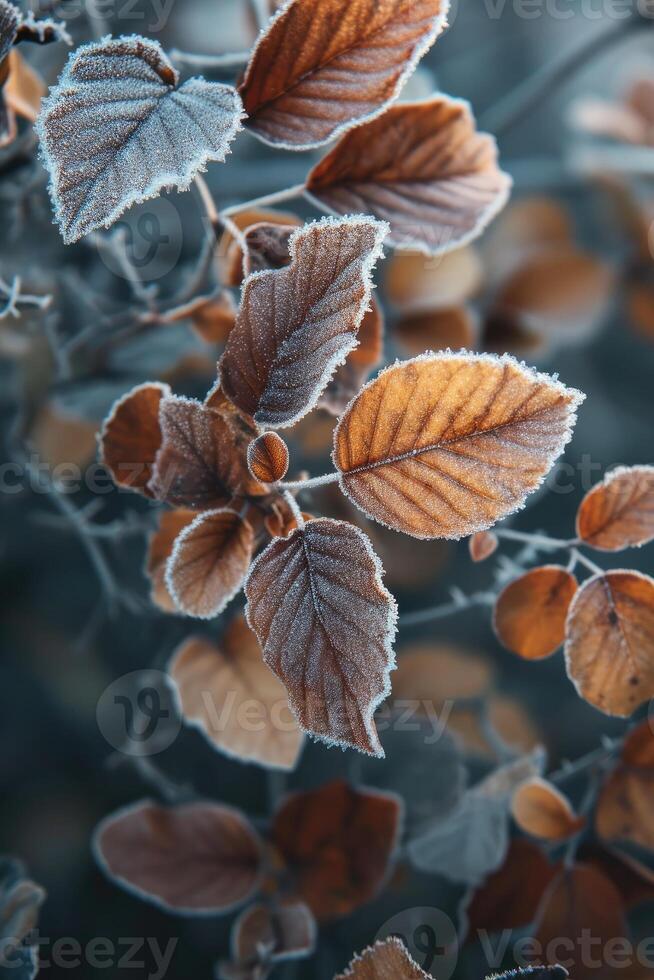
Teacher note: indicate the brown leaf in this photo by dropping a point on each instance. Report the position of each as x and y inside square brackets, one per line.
[422, 167]
[268, 458]
[213, 317]
[209, 562]
[24, 87]
[286, 931]
[440, 674]
[624, 809]
[530, 613]
[338, 842]
[160, 547]
[444, 445]
[510, 897]
[609, 645]
[323, 66]
[230, 253]
[454, 328]
[267, 246]
[197, 858]
[582, 898]
[218, 687]
[131, 437]
[350, 377]
[619, 513]
[527, 227]
[59, 437]
[387, 960]
[541, 810]
[297, 324]
[199, 464]
[418, 284]
[482, 545]
[508, 719]
[326, 624]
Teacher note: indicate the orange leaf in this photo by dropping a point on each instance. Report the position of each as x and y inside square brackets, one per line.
[350, 377]
[482, 545]
[541, 810]
[323, 66]
[194, 858]
[446, 444]
[268, 458]
[131, 437]
[199, 464]
[439, 674]
[387, 960]
[581, 898]
[619, 513]
[160, 547]
[218, 686]
[422, 167]
[326, 624]
[455, 328]
[418, 284]
[24, 87]
[530, 613]
[209, 562]
[297, 324]
[609, 645]
[338, 842]
[624, 809]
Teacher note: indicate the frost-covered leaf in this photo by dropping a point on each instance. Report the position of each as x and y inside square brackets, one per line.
[209, 562]
[297, 324]
[267, 246]
[358, 367]
[231, 259]
[446, 444]
[196, 858]
[10, 18]
[482, 545]
[199, 465]
[540, 809]
[424, 168]
[323, 66]
[472, 841]
[609, 644]
[533, 973]
[268, 458]
[530, 612]
[285, 931]
[387, 960]
[160, 547]
[326, 624]
[217, 686]
[619, 513]
[131, 437]
[118, 128]
[338, 842]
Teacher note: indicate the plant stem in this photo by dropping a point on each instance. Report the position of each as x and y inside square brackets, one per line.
[229, 60]
[602, 754]
[295, 510]
[289, 194]
[219, 221]
[316, 481]
[537, 540]
[522, 100]
[447, 608]
[590, 565]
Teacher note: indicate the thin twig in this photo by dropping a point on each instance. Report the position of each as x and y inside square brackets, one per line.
[457, 604]
[289, 194]
[295, 510]
[231, 59]
[316, 481]
[536, 540]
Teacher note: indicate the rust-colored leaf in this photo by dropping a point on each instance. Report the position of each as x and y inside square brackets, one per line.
[323, 66]
[541, 810]
[424, 168]
[234, 698]
[581, 898]
[416, 283]
[326, 624]
[231, 260]
[609, 644]
[445, 445]
[199, 464]
[297, 324]
[437, 675]
[619, 513]
[213, 317]
[510, 896]
[160, 547]
[268, 458]
[482, 545]
[352, 375]
[267, 246]
[197, 858]
[626, 802]
[24, 87]
[209, 562]
[530, 612]
[453, 328]
[338, 842]
[387, 960]
[131, 437]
